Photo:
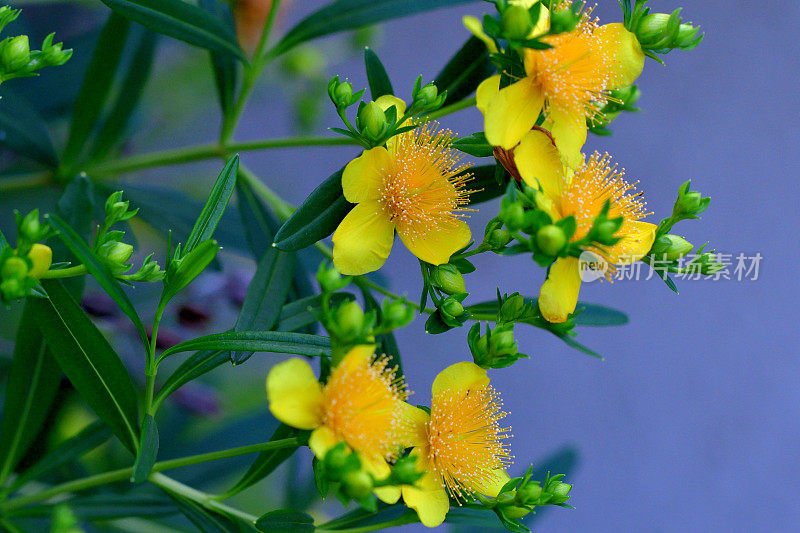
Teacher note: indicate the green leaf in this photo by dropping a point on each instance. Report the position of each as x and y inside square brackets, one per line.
[301, 313]
[106, 507]
[266, 462]
[283, 520]
[148, 450]
[361, 518]
[344, 15]
[465, 71]
[205, 520]
[195, 366]
[24, 131]
[215, 206]
[256, 341]
[128, 97]
[257, 221]
[180, 20]
[30, 392]
[225, 67]
[475, 145]
[379, 82]
[318, 216]
[88, 360]
[71, 449]
[589, 315]
[75, 207]
[95, 88]
[265, 296]
[484, 184]
[3, 241]
[98, 270]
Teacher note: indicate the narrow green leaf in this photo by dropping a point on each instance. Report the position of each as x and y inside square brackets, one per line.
[70, 450]
[379, 82]
[484, 184]
[572, 343]
[362, 518]
[256, 341]
[31, 389]
[128, 97]
[96, 87]
[266, 462]
[225, 67]
[24, 131]
[148, 450]
[98, 270]
[75, 207]
[107, 507]
[205, 520]
[318, 216]
[215, 206]
[88, 360]
[475, 145]
[265, 296]
[259, 224]
[343, 15]
[180, 20]
[195, 366]
[465, 71]
[591, 314]
[283, 520]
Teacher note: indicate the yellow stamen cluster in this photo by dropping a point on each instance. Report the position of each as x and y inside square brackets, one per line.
[466, 440]
[424, 189]
[361, 398]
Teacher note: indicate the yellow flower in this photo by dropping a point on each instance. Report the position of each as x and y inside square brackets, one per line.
[459, 445]
[411, 186]
[581, 194]
[361, 404]
[569, 82]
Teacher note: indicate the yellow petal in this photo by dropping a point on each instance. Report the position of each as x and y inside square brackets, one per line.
[387, 100]
[637, 239]
[559, 294]
[294, 394]
[428, 498]
[569, 131]
[475, 27]
[321, 441]
[414, 423]
[491, 485]
[543, 24]
[363, 176]
[512, 112]
[623, 53]
[437, 244]
[380, 470]
[460, 376]
[363, 240]
[358, 355]
[539, 162]
[548, 205]
[486, 91]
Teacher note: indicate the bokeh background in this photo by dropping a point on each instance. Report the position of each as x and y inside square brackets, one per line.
[692, 420]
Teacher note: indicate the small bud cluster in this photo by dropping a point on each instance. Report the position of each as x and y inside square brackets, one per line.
[659, 33]
[446, 287]
[23, 266]
[522, 495]
[17, 60]
[496, 349]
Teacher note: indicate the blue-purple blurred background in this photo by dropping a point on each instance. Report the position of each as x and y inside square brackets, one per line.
[692, 422]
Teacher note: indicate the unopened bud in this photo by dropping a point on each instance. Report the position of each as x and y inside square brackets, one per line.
[513, 215]
[452, 307]
[563, 20]
[14, 268]
[499, 238]
[42, 257]
[397, 314]
[15, 54]
[448, 279]
[551, 239]
[357, 484]
[560, 493]
[405, 471]
[427, 95]
[517, 23]
[371, 120]
[343, 92]
[30, 228]
[529, 494]
[350, 320]
[336, 461]
[671, 247]
[116, 252]
[656, 31]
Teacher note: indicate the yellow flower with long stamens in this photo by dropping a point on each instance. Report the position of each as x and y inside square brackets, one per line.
[361, 404]
[459, 445]
[570, 82]
[581, 194]
[414, 186]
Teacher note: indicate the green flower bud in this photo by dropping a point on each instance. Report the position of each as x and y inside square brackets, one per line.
[560, 493]
[502, 340]
[514, 512]
[447, 278]
[551, 239]
[452, 308]
[517, 23]
[14, 268]
[344, 92]
[513, 215]
[304, 62]
[427, 95]
[30, 228]
[563, 20]
[15, 54]
[405, 472]
[499, 238]
[397, 314]
[671, 247]
[329, 279]
[504, 499]
[183, 271]
[658, 31]
[357, 484]
[529, 494]
[13, 289]
[371, 120]
[41, 257]
[116, 252]
[350, 320]
[337, 461]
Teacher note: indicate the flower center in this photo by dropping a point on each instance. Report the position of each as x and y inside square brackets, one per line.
[361, 406]
[425, 188]
[466, 441]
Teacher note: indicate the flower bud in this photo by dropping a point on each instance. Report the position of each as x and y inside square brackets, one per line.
[371, 120]
[671, 247]
[41, 257]
[343, 92]
[329, 279]
[560, 493]
[14, 268]
[16, 53]
[662, 31]
[427, 95]
[30, 228]
[452, 307]
[515, 512]
[116, 252]
[517, 23]
[357, 484]
[551, 239]
[499, 238]
[405, 471]
[397, 314]
[447, 278]
[529, 494]
[350, 320]
[513, 215]
[12, 289]
[337, 461]
[563, 20]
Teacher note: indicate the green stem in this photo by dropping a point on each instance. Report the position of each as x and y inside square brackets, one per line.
[125, 473]
[452, 108]
[151, 366]
[71, 272]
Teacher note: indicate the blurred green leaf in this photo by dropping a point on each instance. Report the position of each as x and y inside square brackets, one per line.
[256, 341]
[107, 506]
[461, 75]
[31, 389]
[148, 450]
[259, 224]
[88, 360]
[180, 20]
[205, 520]
[344, 15]
[225, 67]
[379, 82]
[195, 366]
[24, 131]
[215, 206]
[484, 184]
[283, 520]
[95, 88]
[75, 207]
[317, 217]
